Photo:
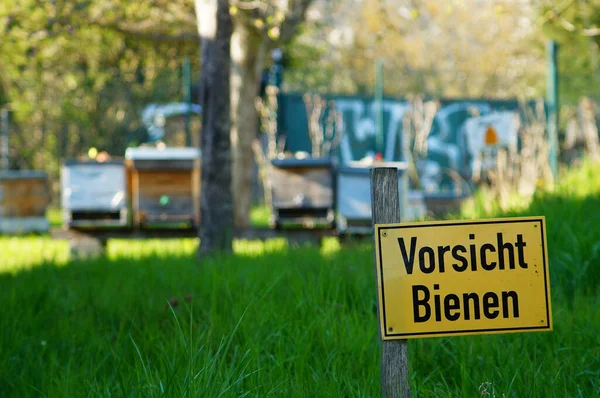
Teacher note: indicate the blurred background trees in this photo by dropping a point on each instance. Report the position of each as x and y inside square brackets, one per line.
[76, 74]
[575, 25]
[468, 48]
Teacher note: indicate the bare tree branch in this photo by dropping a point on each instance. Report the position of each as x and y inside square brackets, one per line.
[293, 20]
[141, 33]
[556, 11]
[250, 5]
[147, 29]
[591, 32]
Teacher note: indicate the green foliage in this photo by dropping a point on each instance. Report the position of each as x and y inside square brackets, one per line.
[460, 49]
[77, 74]
[572, 25]
[148, 320]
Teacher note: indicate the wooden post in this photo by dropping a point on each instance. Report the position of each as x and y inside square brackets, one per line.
[385, 205]
[136, 198]
[553, 105]
[4, 145]
[187, 97]
[379, 104]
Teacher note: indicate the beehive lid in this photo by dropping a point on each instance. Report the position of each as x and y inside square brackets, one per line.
[303, 162]
[92, 162]
[22, 174]
[162, 154]
[364, 168]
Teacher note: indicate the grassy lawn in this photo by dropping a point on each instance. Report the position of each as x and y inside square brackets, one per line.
[149, 320]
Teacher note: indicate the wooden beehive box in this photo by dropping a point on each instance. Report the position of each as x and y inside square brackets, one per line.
[94, 194]
[164, 186]
[303, 191]
[24, 199]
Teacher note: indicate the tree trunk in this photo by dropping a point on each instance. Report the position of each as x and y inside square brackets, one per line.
[248, 48]
[216, 227]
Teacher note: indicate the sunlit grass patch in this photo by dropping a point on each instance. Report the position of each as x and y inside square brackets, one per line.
[21, 253]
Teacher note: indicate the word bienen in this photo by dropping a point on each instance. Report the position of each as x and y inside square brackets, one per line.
[471, 304]
[468, 305]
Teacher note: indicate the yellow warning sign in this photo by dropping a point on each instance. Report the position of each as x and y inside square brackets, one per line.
[448, 278]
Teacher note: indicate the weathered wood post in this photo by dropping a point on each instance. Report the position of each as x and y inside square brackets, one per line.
[4, 139]
[385, 205]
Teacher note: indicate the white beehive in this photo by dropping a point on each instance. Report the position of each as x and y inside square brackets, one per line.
[353, 197]
[94, 193]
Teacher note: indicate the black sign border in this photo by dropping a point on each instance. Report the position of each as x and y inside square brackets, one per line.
[380, 229]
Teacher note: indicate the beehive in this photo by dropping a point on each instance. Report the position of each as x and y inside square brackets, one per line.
[441, 203]
[164, 186]
[303, 191]
[353, 196]
[24, 199]
[94, 193]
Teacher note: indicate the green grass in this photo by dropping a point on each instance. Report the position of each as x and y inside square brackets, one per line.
[260, 215]
[54, 216]
[149, 320]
